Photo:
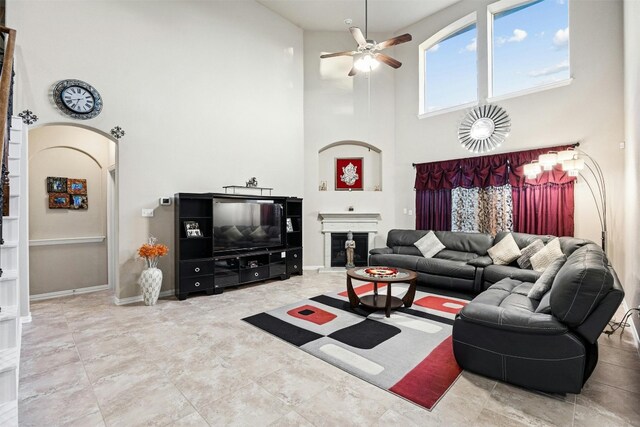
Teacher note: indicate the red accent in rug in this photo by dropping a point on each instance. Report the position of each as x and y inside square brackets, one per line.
[363, 289]
[430, 379]
[438, 303]
[312, 314]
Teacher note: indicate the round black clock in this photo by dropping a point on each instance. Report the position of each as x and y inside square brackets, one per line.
[77, 99]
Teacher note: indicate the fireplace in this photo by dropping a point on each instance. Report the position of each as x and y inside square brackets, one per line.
[338, 252]
[361, 224]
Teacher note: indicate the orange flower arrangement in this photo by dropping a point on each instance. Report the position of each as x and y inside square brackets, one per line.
[152, 251]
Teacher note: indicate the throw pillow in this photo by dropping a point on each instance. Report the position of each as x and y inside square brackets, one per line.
[525, 259]
[233, 234]
[544, 282]
[258, 234]
[545, 256]
[429, 245]
[505, 252]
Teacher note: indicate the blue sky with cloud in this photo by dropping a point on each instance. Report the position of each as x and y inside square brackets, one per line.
[530, 49]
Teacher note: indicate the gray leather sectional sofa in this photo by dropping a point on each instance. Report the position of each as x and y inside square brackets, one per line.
[548, 344]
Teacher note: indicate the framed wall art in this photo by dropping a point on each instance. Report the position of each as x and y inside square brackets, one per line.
[76, 186]
[349, 174]
[78, 201]
[58, 201]
[56, 184]
[192, 229]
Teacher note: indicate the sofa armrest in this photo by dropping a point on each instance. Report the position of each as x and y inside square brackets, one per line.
[512, 320]
[380, 251]
[481, 261]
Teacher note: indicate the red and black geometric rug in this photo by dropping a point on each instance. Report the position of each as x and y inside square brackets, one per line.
[409, 354]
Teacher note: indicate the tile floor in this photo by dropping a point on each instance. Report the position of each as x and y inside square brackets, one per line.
[86, 362]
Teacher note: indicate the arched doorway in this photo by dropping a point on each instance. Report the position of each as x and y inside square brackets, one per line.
[72, 237]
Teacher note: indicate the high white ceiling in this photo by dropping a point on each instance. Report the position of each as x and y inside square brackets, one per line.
[329, 15]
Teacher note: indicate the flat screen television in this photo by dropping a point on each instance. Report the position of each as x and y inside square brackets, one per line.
[247, 224]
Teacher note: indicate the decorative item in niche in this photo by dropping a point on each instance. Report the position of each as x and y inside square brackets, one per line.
[323, 186]
[484, 128]
[289, 225]
[78, 201]
[192, 229]
[349, 174]
[58, 201]
[56, 184]
[253, 182]
[76, 186]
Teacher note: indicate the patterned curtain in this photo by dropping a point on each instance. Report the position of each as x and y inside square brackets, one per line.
[484, 210]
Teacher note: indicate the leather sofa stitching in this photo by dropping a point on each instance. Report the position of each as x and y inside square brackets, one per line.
[584, 273]
[471, 319]
[521, 357]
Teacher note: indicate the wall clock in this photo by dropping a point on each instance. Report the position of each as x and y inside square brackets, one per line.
[77, 99]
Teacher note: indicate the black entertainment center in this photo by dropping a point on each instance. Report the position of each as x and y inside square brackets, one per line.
[225, 240]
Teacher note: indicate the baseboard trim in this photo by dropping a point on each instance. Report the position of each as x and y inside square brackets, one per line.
[58, 294]
[633, 327]
[26, 319]
[138, 298]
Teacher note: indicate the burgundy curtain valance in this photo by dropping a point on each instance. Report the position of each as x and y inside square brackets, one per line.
[487, 171]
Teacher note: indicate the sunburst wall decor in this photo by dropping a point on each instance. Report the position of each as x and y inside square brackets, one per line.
[484, 128]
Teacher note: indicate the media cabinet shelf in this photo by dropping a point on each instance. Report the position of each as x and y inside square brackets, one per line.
[201, 268]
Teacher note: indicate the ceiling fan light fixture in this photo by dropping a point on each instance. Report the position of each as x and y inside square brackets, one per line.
[366, 63]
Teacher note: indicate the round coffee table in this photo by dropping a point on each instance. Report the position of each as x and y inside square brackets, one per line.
[375, 301]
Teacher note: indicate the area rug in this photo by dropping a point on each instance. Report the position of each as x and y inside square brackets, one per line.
[409, 354]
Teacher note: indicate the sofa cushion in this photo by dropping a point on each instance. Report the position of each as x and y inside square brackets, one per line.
[547, 255]
[429, 245]
[568, 244]
[544, 282]
[495, 273]
[456, 255]
[545, 304]
[404, 237]
[476, 243]
[375, 251]
[406, 250]
[445, 267]
[394, 260]
[505, 251]
[580, 285]
[527, 252]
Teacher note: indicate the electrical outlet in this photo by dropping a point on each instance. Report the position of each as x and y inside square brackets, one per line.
[147, 213]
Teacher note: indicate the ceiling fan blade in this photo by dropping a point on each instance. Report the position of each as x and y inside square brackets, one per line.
[357, 34]
[353, 72]
[388, 60]
[394, 41]
[346, 53]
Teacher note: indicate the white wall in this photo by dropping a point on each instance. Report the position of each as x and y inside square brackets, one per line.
[209, 94]
[341, 108]
[589, 110]
[632, 158]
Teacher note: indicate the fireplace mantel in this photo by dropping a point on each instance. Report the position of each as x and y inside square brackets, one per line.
[343, 222]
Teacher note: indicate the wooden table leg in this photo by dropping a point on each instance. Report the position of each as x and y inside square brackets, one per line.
[387, 307]
[410, 295]
[353, 297]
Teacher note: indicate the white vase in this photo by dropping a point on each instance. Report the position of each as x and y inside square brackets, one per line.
[150, 281]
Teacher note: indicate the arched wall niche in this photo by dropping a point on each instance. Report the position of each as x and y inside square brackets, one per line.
[69, 248]
[371, 163]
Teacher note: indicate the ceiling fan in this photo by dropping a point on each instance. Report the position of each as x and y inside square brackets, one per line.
[367, 51]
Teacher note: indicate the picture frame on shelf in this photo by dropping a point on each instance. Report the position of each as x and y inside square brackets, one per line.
[78, 201]
[192, 229]
[76, 186]
[56, 184]
[349, 174]
[58, 201]
[289, 225]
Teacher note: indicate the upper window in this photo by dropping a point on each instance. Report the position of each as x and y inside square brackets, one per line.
[529, 45]
[449, 70]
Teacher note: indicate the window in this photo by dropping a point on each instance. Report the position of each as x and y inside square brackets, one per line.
[449, 72]
[529, 45]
